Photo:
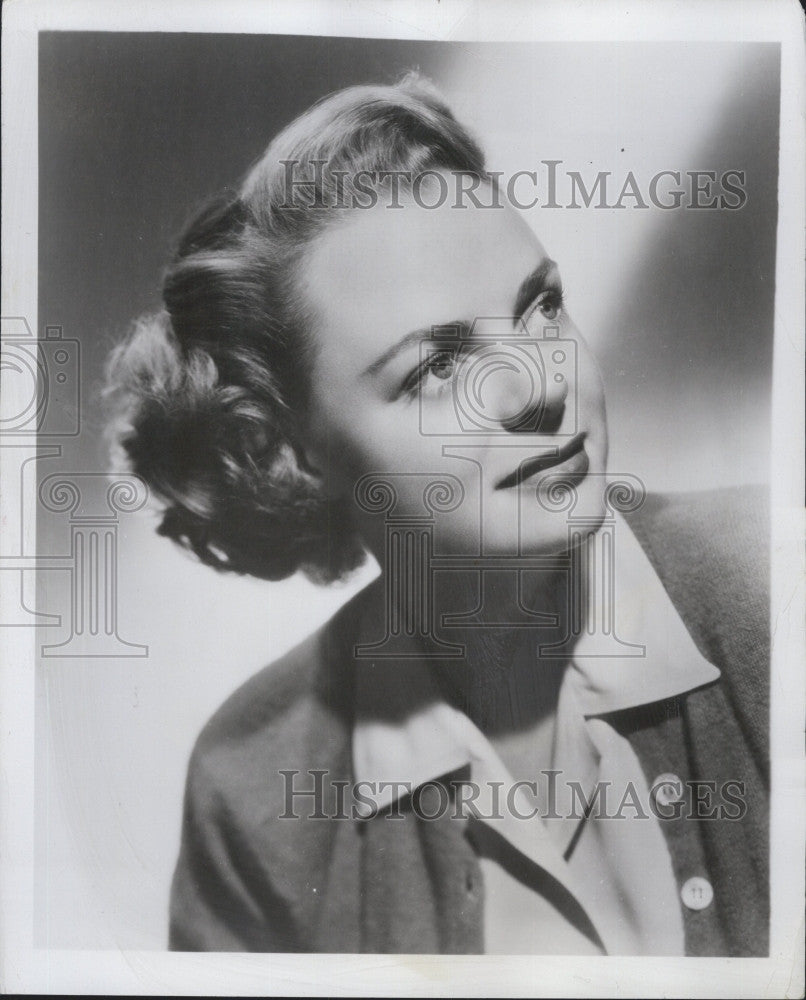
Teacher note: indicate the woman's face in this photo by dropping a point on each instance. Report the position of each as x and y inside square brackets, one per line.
[443, 351]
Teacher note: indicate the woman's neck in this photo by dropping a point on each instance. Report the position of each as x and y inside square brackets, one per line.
[501, 682]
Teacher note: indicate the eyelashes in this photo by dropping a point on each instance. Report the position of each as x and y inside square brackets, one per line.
[549, 302]
[441, 365]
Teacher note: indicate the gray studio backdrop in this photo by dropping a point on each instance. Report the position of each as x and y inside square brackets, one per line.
[135, 130]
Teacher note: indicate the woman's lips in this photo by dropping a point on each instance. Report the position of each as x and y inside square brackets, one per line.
[571, 460]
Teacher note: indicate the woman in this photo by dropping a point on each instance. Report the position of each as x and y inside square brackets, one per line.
[543, 729]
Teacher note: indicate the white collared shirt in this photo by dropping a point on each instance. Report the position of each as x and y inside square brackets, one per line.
[574, 884]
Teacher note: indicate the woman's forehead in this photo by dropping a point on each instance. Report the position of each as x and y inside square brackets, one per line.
[414, 265]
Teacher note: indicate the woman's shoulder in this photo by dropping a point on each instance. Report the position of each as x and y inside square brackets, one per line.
[299, 707]
[735, 517]
[243, 876]
[698, 538]
[711, 551]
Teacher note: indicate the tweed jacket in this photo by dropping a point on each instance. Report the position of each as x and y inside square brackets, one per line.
[247, 879]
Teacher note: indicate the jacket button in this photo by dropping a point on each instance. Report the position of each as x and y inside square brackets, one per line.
[697, 893]
[668, 789]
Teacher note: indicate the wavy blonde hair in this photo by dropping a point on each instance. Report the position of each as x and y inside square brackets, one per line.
[208, 394]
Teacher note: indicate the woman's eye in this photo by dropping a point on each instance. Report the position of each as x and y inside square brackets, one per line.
[549, 303]
[441, 365]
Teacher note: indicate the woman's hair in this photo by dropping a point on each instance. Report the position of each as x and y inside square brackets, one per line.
[209, 393]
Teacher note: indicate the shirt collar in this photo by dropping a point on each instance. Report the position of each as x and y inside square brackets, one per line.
[405, 730]
[665, 662]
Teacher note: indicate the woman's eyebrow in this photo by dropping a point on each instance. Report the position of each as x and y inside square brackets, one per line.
[531, 286]
[455, 328]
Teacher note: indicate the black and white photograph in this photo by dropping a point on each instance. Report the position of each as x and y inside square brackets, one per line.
[403, 472]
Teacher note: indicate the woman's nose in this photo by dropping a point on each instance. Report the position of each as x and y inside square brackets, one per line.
[528, 394]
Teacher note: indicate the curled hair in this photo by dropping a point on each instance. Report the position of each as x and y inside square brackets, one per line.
[210, 392]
